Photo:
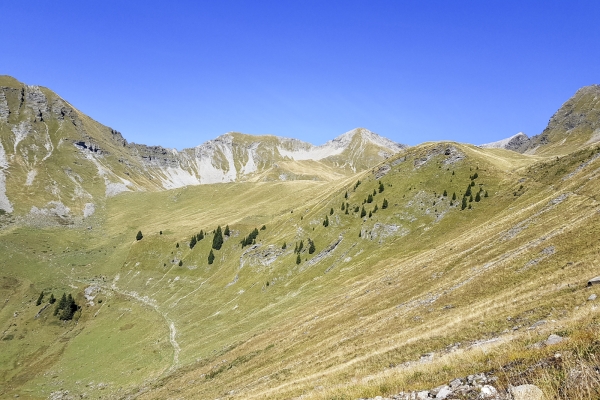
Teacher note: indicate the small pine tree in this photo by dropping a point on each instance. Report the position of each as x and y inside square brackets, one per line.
[451, 203]
[326, 222]
[139, 236]
[218, 239]
[475, 175]
[356, 209]
[300, 246]
[200, 236]
[469, 206]
[284, 246]
[381, 188]
[331, 211]
[477, 197]
[346, 195]
[296, 248]
[346, 211]
[193, 242]
[375, 209]
[160, 233]
[472, 183]
[486, 194]
[52, 299]
[180, 263]
[264, 227]
[360, 234]
[370, 214]
[226, 232]
[363, 212]
[39, 300]
[468, 192]
[177, 245]
[445, 193]
[370, 199]
[374, 192]
[453, 195]
[464, 203]
[211, 257]
[311, 246]
[452, 172]
[384, 205]
[343, 206]
[298, 259]
[470, 198]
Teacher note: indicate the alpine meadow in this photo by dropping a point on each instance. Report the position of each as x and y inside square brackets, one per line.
[262, 267]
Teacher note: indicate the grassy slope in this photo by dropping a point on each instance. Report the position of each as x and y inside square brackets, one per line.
[255, 329]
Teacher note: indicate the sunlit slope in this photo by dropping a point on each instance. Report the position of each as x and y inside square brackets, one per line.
[441, 277]
[379, 290]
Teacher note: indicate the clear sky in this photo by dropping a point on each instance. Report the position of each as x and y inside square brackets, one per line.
[178, 73]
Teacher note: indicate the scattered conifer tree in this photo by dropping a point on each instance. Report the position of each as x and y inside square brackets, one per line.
[180, 263]
[452, 172]
[468, 192]
[39, 300]
[218, 239]
[363, 212]
[226, 232]
[211, 257]
[451, 203]
[384, 205]
[477, 197]
[300, 246]
[375, 209]
[370, 214]
[370, 199]
[470, 198]
[311, 246]
[160, 233]
[177, 245]
[486, 194]
[193, 242]
[52, 298]
[331, 211]
[445, 193]
[298, 259]
[139, 236]
[453, 195]
[381, 188]
[464, 203]
[469, 206]
[346, 195]
[374, 192]
[264, 227]
[360, 234]
[343, 206]
[472, 183]
[200, 236]
[284, 246]
[326, 222]
[356, 209]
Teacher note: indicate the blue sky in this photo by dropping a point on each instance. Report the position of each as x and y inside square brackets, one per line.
[179, 73]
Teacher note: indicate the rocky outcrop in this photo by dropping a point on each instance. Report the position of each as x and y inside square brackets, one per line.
[519, 143]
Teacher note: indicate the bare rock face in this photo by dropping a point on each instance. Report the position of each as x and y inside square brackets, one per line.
[518, 143]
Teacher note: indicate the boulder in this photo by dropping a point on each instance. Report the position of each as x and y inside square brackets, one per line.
[526, 392]
[553, 339]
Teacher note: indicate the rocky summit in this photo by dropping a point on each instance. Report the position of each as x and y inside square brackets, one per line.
[260, 267]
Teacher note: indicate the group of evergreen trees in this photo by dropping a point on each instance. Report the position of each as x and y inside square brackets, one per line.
[196, 238]
[250, 239]
[51, 300]
[66, 307]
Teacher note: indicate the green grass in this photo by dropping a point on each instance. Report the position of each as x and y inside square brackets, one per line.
[249, 326]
